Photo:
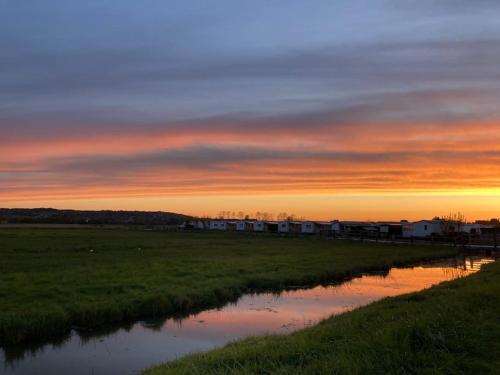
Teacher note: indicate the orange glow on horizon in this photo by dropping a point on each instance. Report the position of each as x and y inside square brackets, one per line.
[356, 171]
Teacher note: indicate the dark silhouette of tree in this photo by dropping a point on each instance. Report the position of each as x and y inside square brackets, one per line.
[453, 223]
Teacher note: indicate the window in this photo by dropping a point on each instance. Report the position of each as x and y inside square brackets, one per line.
[425, 227]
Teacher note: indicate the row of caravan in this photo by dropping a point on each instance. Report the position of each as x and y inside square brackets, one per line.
[297, 227]
[307, 227]
[404, 229]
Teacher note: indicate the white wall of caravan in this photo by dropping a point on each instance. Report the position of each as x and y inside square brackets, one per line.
[307, 227]
[258, 226]
[218, 225]
[423, 228]
[283, 226]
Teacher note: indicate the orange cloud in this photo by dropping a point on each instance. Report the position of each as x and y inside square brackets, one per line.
[183, 162]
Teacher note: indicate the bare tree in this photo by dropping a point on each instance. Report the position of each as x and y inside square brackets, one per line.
[267, 216]
[453, 223]
[282, 216]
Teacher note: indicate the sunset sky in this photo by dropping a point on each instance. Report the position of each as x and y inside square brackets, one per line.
[325, 109]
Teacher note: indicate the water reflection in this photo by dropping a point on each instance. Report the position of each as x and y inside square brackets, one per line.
[127, 349]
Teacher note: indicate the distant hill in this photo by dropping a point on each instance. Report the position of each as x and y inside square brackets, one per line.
[54, 216]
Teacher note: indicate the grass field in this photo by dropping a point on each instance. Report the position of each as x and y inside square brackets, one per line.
[453, 328]
[52, 279]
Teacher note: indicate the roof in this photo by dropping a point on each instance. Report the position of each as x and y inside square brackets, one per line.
[427, 221]
[357, 223]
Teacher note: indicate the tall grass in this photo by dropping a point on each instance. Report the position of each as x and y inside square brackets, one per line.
[51, 280]
[453, 328]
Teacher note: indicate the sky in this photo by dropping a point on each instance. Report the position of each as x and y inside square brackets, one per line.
[326, 109]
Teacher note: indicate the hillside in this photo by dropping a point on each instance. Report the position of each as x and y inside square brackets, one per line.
[55, 216]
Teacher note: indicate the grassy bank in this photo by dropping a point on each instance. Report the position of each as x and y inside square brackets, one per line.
[53, 279]
[453, 328]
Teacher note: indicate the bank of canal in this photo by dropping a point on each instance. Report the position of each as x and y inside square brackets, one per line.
[130, 349]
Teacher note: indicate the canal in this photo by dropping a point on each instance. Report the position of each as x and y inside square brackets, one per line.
[132, 348]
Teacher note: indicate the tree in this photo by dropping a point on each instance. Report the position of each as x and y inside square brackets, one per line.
[453, 223]
[282, 216]
[267, 216]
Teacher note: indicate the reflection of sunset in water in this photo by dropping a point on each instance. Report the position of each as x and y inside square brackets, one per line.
[267, 312]
[127, 351]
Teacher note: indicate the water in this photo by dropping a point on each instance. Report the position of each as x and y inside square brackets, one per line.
[130, 349]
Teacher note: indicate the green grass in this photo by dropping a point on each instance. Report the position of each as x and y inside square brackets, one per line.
[453, 328]
[50, 280]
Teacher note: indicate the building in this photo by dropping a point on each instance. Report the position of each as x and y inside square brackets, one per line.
[323, 227]
[358, 227]
[476, 229]
[201, 224]
[249, 225]
[217, 225]
[335, 226]
[390, 229]
[307, 227]
[258, 226]
[231, 226]
[241, 226]
[289, 227]
[422, 228]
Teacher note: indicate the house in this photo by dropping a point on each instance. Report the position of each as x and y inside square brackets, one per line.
[241, 226]
[323, 227]
[283, 227]
[307, 227]
[231, 226]
[222, 225]
[357, 227]
[217, 225]
[258, 226]
[335, 226]
[254, 226]
[389, 229]
[422, 228]
[201, 224]
[476, 228]
[289, 227]
[249, 225]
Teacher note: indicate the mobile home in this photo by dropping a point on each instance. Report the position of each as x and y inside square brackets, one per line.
[218, 225]
[357, 227]
[201, 224]
[423, 228]
[289, 227]
[231, 226]
[258, 226]
[335, 226]
[307, 227]
[390, 229]
[323, 227]
[476, 228]
[240, 226]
